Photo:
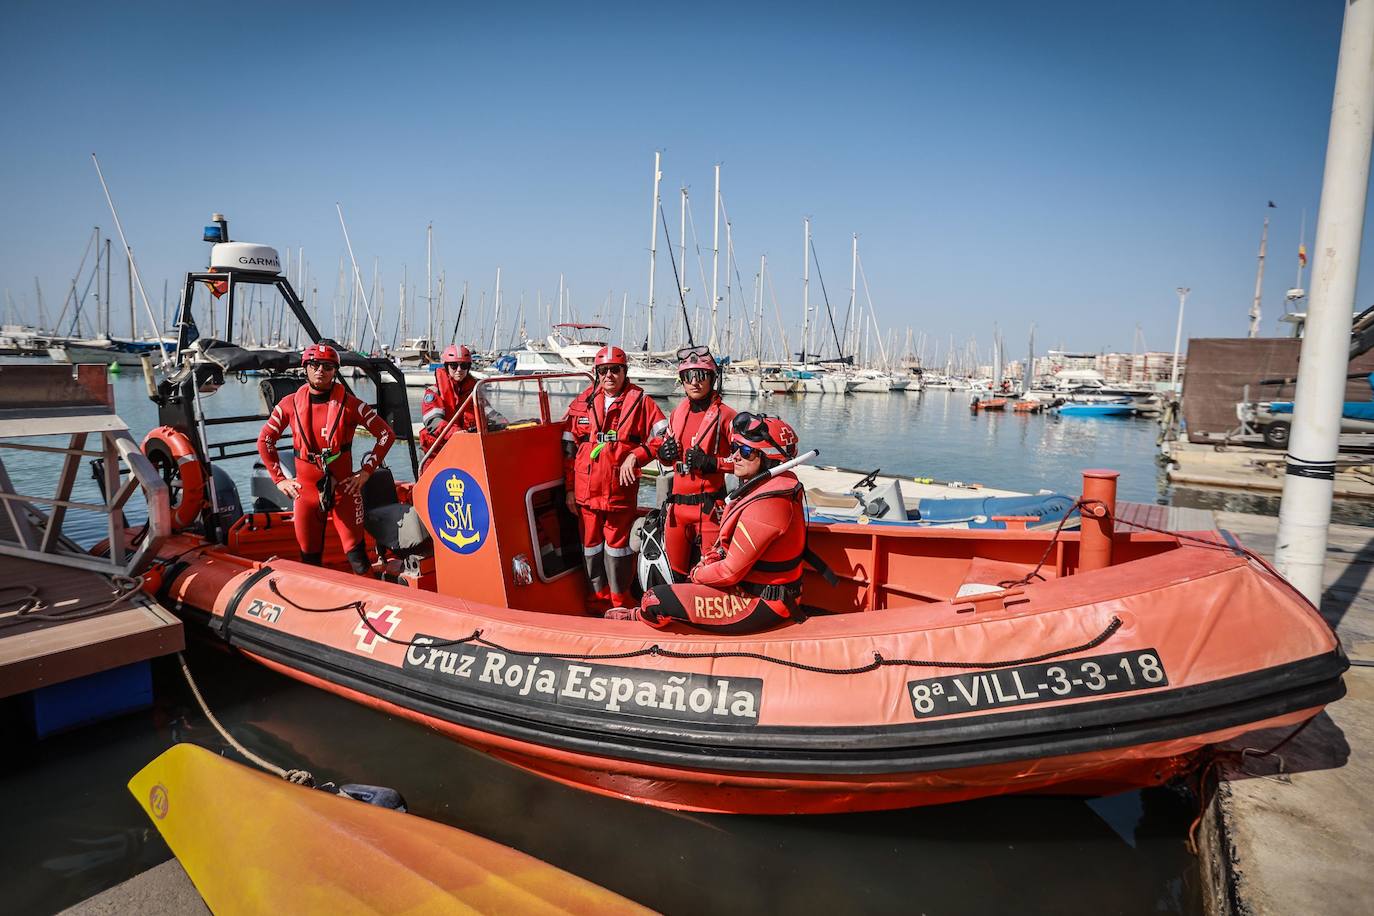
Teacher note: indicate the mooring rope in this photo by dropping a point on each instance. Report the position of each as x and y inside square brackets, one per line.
[299, 777]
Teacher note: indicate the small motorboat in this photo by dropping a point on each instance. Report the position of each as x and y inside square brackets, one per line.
[978, 404]
[1028, 406]
[335, 854]
[1122, 407]
[936, 663]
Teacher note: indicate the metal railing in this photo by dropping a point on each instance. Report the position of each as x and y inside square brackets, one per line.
[75, 402]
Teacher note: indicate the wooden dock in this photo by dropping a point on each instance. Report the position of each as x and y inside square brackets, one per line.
[67, 614]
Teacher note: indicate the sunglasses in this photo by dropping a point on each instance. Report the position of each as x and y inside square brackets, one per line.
[747, 451]
[321, 364]
[457, 365]
[696, 376]
[607, 370]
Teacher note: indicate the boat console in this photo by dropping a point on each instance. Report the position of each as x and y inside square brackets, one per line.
[495, 503]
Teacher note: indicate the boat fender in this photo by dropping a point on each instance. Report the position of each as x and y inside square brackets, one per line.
[172, 454]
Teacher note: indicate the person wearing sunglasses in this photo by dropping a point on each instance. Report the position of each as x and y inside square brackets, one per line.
[605, 436]
[451, 396]
[323, 418]
[751, 579]
[696, 447]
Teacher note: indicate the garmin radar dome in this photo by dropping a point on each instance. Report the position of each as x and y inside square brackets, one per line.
[245, 256]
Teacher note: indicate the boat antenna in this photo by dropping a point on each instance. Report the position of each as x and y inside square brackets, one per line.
[682, 300]
[133, 267]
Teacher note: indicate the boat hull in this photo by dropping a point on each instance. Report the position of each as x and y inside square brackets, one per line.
[835, 714]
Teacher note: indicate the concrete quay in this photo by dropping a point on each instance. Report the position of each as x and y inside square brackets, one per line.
[1294, 833]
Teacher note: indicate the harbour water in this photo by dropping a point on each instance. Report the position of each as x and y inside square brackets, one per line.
[72, 829]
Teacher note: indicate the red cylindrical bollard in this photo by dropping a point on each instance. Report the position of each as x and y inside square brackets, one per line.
[1096, 528]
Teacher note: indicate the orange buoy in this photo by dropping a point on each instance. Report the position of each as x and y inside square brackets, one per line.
[171, 452]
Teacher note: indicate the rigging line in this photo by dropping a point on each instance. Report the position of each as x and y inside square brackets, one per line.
[696, 244]
[863, 275]
[71, 293]
[461, 302]
[830, 313]
[777, 313]
[686, 319]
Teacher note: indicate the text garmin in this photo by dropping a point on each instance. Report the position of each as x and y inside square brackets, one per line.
[597, 688]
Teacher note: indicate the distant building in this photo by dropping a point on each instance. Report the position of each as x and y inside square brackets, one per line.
[1059, 360]
[1138, 368]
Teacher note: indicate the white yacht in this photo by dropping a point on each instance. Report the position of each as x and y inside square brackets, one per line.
[577, 348]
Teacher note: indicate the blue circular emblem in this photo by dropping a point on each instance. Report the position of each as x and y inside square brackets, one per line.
[458, 511]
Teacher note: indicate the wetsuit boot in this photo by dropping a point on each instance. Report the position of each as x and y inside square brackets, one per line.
[620, 574]
[595, 565]
[359, 560]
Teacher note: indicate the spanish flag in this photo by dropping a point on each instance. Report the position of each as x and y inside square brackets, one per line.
[1302, 255]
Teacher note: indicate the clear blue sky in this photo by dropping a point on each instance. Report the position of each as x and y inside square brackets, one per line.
[1067, 163]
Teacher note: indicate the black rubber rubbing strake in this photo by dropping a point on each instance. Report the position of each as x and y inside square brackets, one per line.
[232, 607]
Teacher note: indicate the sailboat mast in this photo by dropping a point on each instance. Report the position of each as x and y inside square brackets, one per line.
[496, 311]
[853, 282]
[806, 284]
[715, 262]
[653, 254]
[682, 260]
[429, 282]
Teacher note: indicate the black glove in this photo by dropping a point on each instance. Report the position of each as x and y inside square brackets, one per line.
[698, 460]
[669, 451]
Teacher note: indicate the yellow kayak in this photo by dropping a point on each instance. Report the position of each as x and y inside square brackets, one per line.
[253, 843]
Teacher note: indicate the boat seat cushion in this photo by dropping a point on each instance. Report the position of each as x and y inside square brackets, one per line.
[397, 527]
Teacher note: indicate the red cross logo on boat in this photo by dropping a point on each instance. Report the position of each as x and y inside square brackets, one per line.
[381, 623]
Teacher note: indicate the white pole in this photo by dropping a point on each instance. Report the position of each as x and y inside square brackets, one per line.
[1314, 441]
[624, 311]
[496, 313]
[429, 282]
[853, 282]
[682, 264]
[1178, 337]
[806, 284]
[1259, 281]
[653, 251]
[715, 263]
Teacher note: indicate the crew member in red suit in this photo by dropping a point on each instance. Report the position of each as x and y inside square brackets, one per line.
[450, 396]
[697, 447]
[322, 418]
[605, 442]
[752, 578]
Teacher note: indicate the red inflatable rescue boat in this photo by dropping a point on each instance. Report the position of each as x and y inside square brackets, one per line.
[944, 665]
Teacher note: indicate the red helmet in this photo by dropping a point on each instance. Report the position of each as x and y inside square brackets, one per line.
[322, 352]
[696, 358]
[769, 435]
[456, 354]
[610, 356]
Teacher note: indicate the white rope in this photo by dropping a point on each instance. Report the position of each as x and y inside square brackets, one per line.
[300, 777]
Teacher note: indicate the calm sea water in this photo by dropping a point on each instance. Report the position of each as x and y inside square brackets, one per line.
[73, 829]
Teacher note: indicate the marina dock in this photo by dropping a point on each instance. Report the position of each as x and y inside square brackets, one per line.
[1289, 832]
[1257, 470]
[76, 630]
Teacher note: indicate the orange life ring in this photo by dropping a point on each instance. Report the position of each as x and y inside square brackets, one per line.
[172, 454]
